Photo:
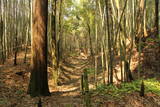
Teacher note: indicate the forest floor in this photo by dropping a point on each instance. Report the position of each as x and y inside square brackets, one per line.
[13, 88]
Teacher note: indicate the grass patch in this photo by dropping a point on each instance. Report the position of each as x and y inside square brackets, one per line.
[73, 54]
[152, 85]
[3, 101]
[90, 70]
[113, 91]
[19, 92]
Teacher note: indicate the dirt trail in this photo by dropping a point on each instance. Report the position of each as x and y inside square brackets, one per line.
[69, 83]
[13, 87]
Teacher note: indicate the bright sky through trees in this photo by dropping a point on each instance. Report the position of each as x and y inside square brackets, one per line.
[77, 2]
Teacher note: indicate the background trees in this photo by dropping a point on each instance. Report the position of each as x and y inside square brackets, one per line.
[14, 15]
[106, 32]
[112, 29]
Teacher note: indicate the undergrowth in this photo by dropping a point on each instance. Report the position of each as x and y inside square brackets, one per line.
[118, 91]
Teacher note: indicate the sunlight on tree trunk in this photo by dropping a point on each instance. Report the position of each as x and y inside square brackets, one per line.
[38, 85]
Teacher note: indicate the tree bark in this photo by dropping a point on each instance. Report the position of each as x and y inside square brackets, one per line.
[38, 85]
[156, 17]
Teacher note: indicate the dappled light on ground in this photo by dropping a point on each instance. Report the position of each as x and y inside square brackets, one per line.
[13, 87]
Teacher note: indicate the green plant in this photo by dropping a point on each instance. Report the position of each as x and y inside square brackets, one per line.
[90, 70]
[19, 92]
[151, 85]
[3, 101]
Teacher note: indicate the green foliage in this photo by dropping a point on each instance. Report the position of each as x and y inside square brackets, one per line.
[150, 40]
[73, 54]
[90, 70]
[3, 101]
[68, 105]
[153, 40]
[153, 86]
[113, 91]
[19, 92]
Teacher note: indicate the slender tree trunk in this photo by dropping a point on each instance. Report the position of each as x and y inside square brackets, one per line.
[28, 32]
[53, 41]
[157, 16]
[16, 36]
[90, 39]
[26, 45]
[109, 44]
[15, 49]
[157, 26]
[59, 40]
[1, 37]
[1, 31]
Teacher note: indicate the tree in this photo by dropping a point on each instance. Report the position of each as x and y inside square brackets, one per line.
[157, 22]
[157, 16]
[38, 85]
[53, 40]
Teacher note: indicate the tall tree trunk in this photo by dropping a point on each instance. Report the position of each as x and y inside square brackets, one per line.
[90, 39]
[110, 74]
[26, 45]
[157, 26]
[28, 32]
[16, 36]
[1, 37]
[38, 85]
[157, 16]
[53, 41]
[59, 40]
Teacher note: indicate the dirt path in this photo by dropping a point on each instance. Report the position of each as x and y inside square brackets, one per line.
[13, 87]
[69, 83]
